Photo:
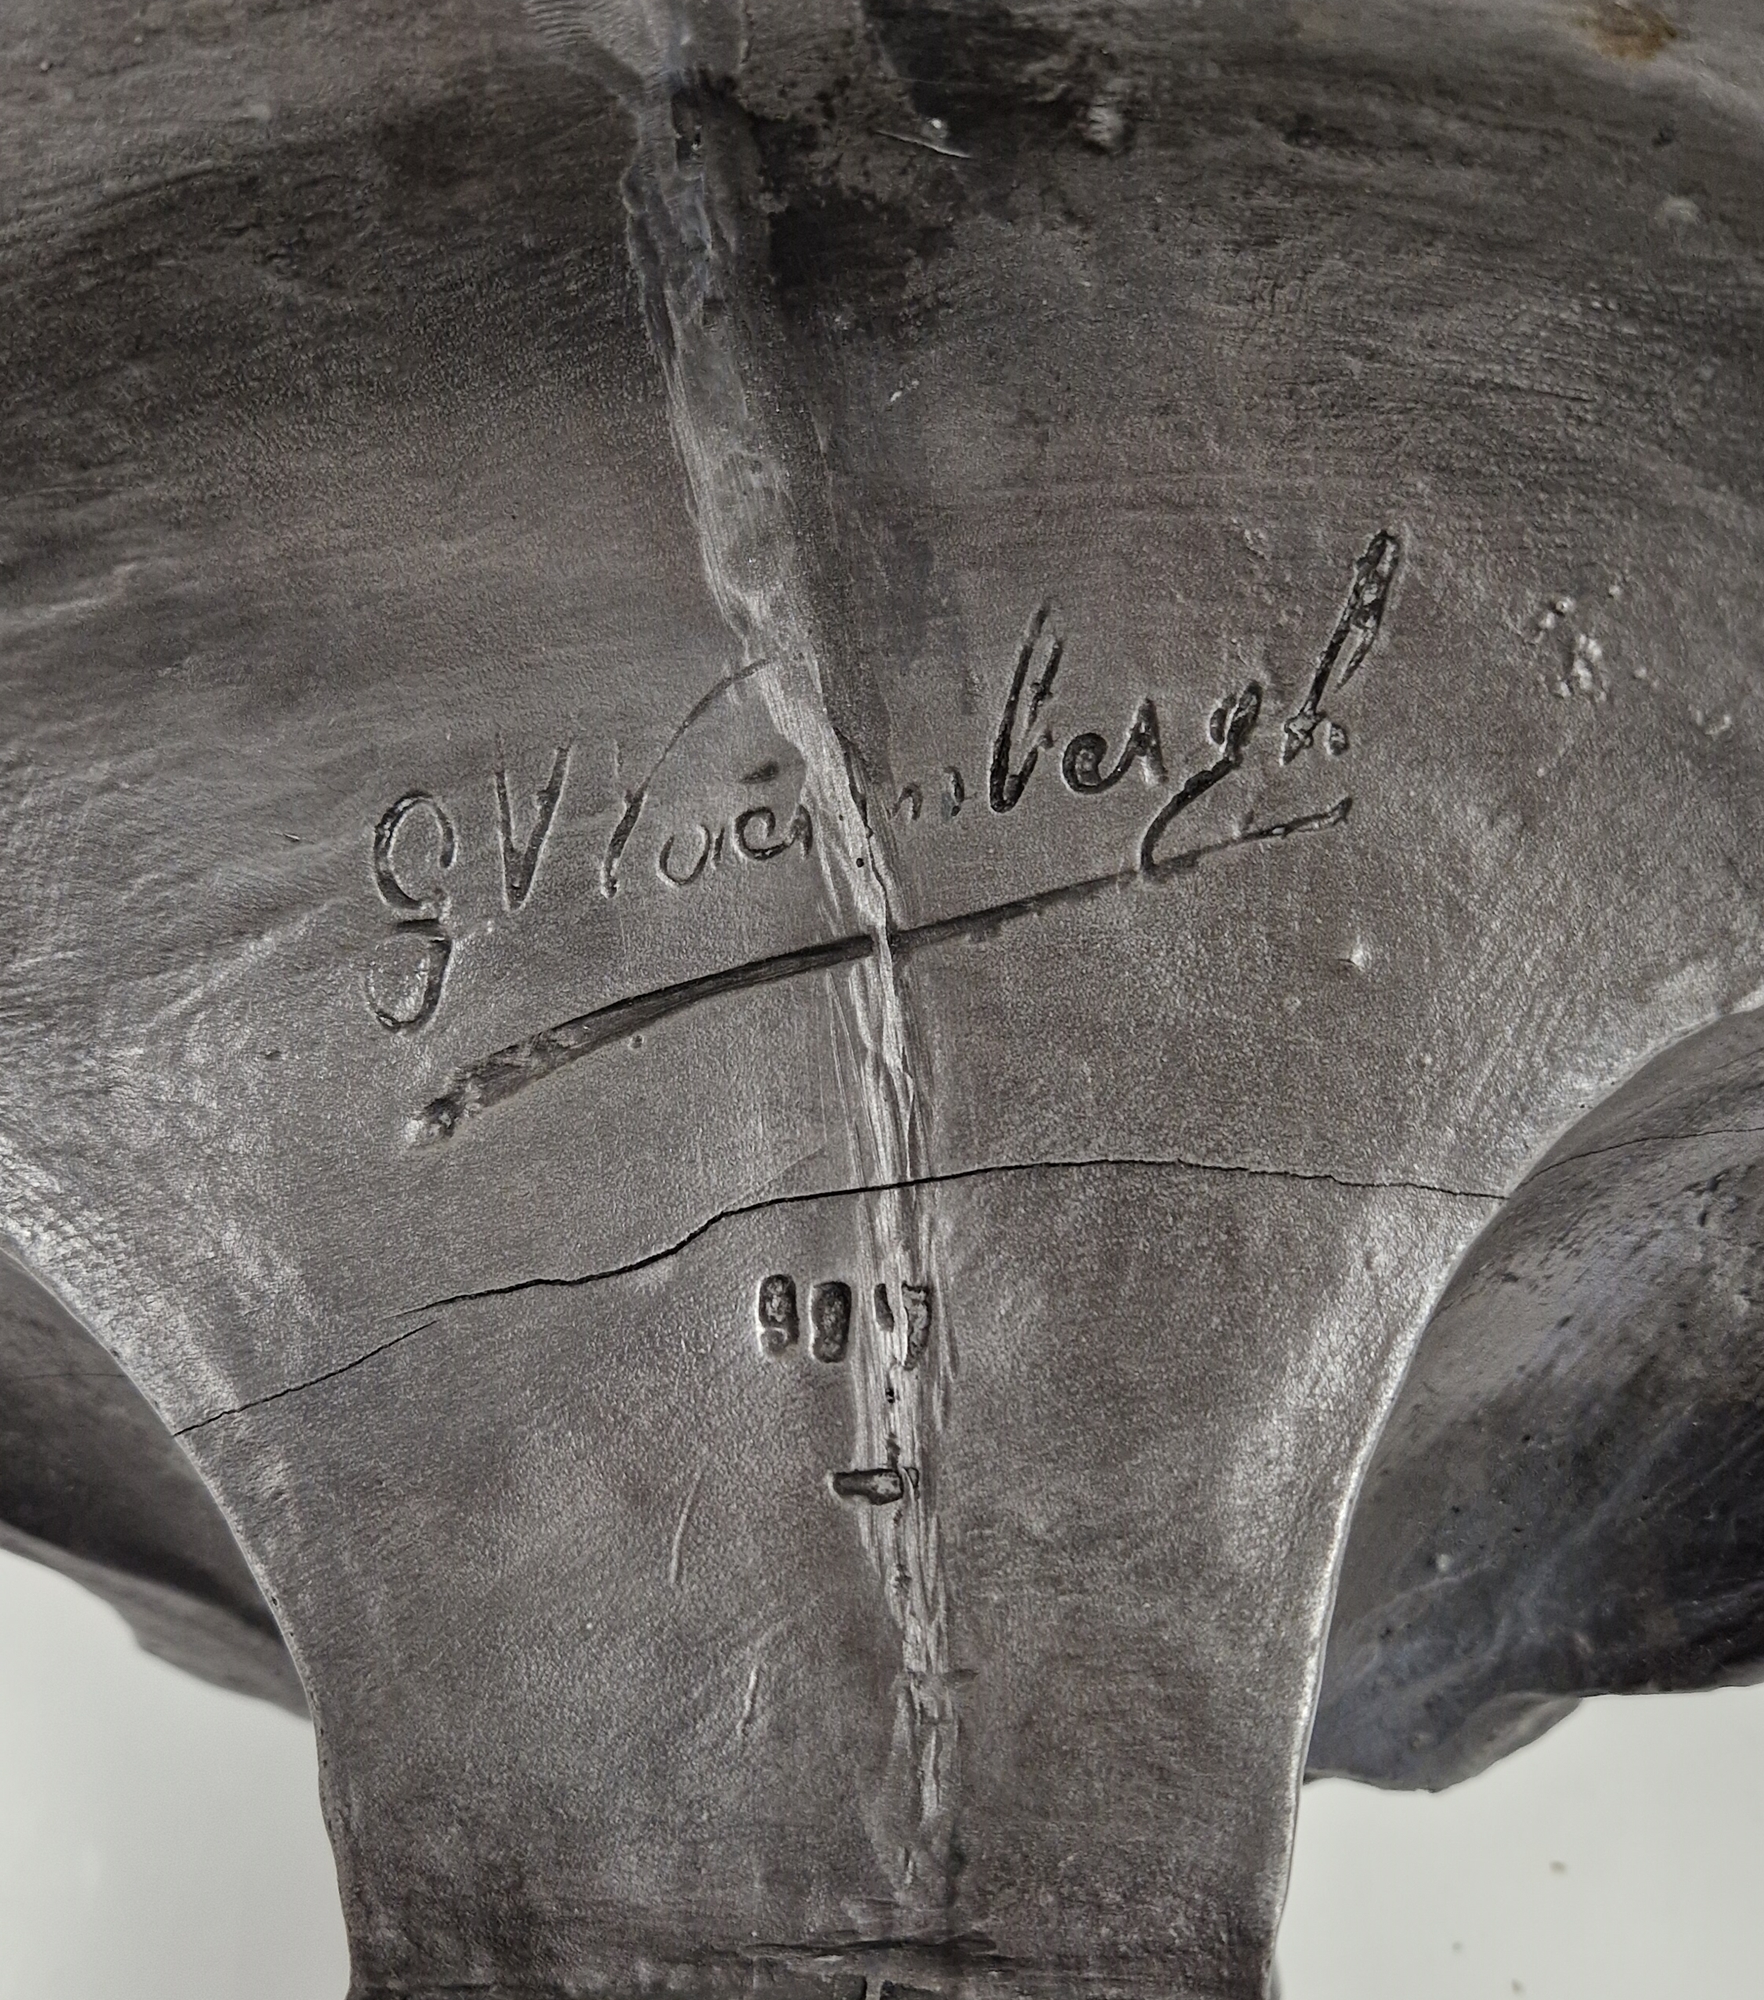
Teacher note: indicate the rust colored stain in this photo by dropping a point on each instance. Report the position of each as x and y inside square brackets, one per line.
[1629, 32]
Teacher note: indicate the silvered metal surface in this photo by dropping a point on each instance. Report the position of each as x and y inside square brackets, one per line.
[1565, 1499]
[802, 808]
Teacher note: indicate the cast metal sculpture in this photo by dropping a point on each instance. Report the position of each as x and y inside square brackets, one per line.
[805, 807]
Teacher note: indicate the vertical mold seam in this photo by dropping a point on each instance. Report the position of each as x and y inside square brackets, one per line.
[685, 246]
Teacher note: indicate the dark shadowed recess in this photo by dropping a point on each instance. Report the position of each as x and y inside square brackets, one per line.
[1569, 1496]
[92, 1484]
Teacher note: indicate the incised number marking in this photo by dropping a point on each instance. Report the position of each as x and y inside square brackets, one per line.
[830, 1321]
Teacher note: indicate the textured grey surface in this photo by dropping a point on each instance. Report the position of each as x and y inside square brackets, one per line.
[92, 1484]
[1565, 1500]
[497, 542]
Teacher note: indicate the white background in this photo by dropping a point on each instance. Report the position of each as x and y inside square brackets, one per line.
[160, 1840]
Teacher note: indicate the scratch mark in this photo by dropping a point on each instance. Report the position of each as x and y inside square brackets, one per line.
[749, 1704]
[940, 147]
[680, 1526]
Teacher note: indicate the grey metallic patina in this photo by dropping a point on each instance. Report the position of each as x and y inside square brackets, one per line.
[803, 808]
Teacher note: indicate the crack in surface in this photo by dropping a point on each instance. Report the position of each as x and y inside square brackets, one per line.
[1119, 1163]
[1106, 1162]
[311, 1382]
[1641, 1139]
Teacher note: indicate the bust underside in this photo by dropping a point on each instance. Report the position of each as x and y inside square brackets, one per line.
[881, 916]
